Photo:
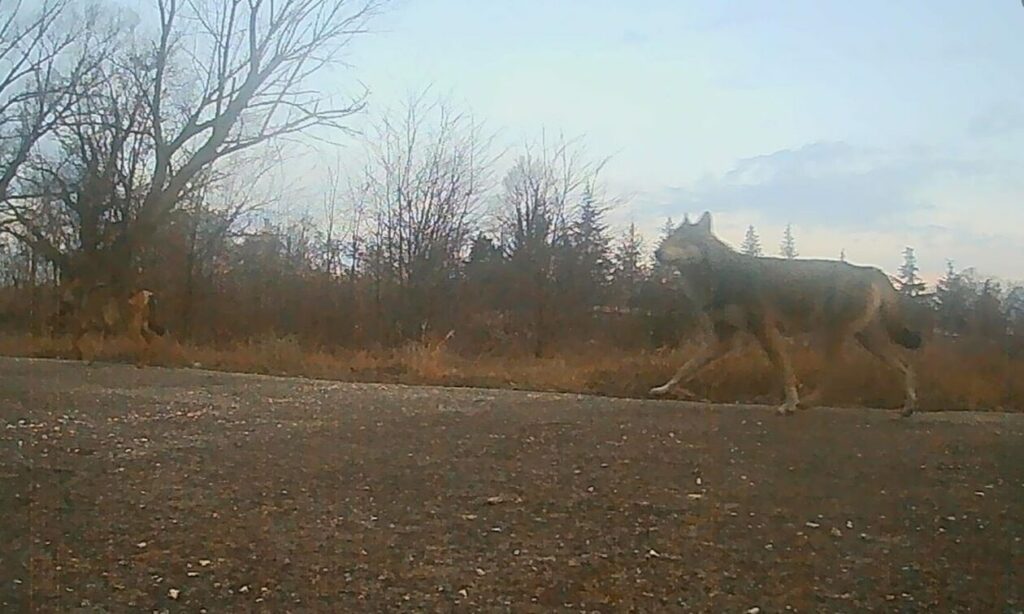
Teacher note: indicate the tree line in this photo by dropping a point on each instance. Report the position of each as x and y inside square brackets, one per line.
[143, 155]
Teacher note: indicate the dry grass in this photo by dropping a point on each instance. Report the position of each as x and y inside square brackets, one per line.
[952, 375]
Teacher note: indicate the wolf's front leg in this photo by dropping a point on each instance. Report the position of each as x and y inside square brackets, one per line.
[792, 402]
[773, 345]
[702, 357]
[723, 342]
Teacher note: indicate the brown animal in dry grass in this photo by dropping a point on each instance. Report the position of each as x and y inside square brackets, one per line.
[769, 297]
[91, 313]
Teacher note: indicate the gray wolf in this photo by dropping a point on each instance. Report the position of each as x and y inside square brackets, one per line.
[90, 312]
[767, 298]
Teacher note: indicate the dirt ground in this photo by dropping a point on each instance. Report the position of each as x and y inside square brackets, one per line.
[126, 489]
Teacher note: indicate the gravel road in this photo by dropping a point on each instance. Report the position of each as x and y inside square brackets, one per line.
[126, 489]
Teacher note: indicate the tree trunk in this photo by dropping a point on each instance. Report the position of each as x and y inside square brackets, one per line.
[189, 298]
[34, 319]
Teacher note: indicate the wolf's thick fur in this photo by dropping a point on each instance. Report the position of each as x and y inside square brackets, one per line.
[92, 311]
[772, 297]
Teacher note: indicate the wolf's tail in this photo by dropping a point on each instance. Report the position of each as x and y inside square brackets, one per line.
[895, 321]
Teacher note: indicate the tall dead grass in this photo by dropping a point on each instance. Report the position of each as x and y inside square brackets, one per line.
[952, 375]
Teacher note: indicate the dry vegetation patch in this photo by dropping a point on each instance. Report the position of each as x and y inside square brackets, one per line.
[952, 374]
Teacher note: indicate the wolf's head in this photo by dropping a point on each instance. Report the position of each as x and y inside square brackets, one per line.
[690, 244]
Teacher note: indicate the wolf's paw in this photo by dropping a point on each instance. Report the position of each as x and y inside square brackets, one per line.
[659, 391]
[786, 409]
[908, 410]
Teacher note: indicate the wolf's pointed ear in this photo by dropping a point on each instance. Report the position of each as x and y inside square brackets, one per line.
[704, 223]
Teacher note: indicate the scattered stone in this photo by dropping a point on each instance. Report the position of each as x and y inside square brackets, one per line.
[499, 499]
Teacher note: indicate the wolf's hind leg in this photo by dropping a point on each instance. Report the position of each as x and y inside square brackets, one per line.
[884, 350]
[142, 349]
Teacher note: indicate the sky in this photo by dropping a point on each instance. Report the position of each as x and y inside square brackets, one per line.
[868, 126]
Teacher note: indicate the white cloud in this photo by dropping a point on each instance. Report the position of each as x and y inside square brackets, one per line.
[869, 202]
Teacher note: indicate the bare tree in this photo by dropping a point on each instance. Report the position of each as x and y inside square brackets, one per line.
[214, 213]
[428, 170]
[48, 58]
[49, 55]
[254, 60]
[332, 219]
[534, 216]
[344, 218]
[220, 78]
[28, 53]
[85, 189]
